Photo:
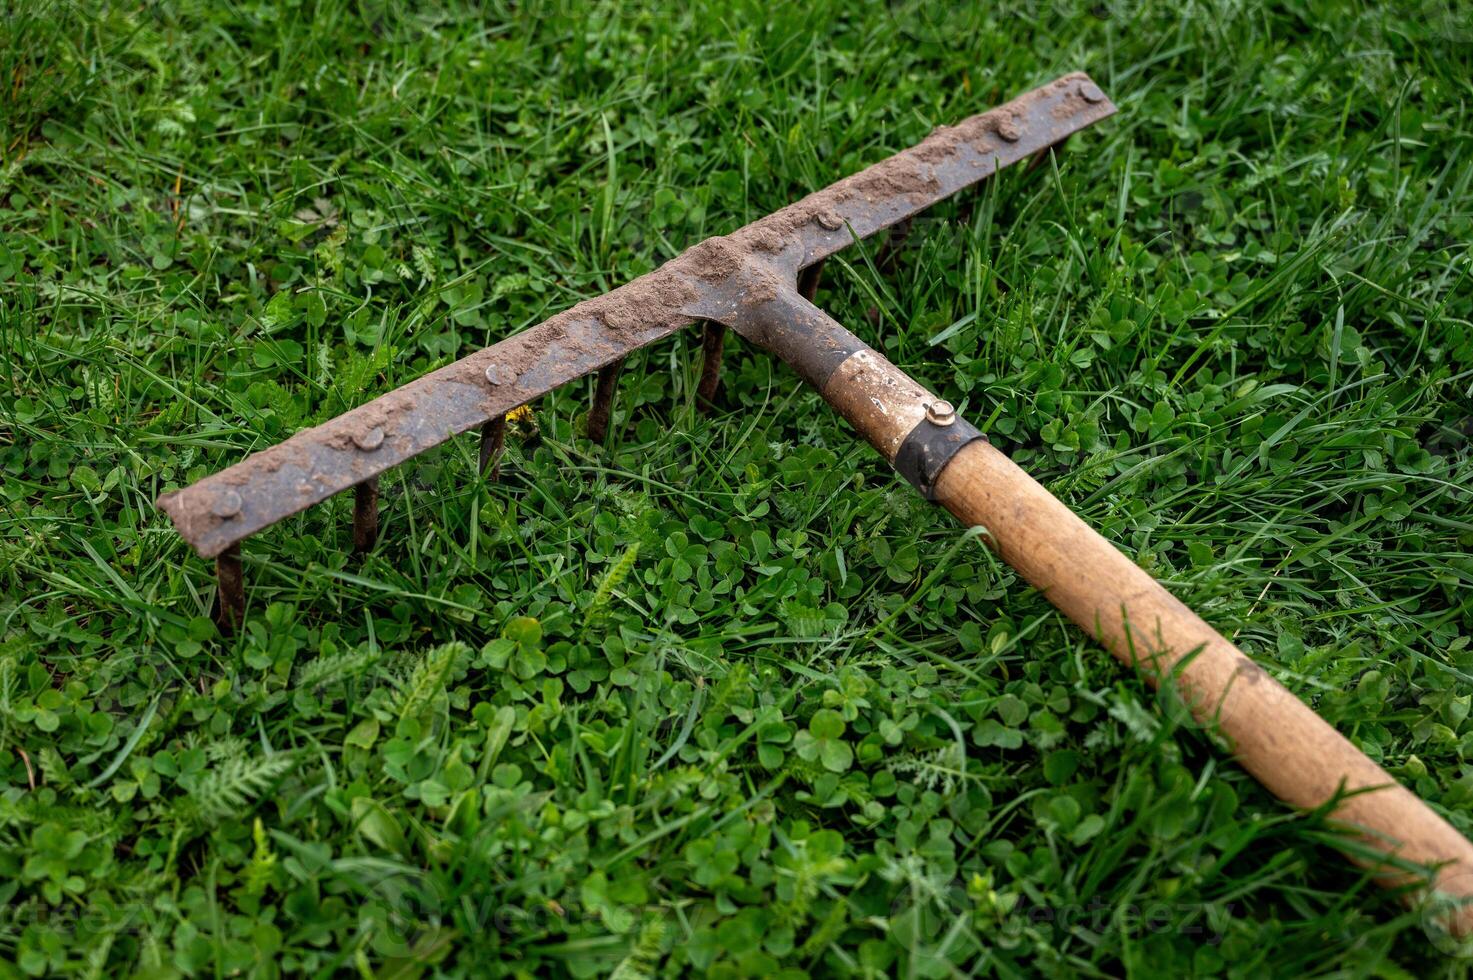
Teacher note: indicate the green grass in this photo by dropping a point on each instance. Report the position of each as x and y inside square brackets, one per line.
[721, 695]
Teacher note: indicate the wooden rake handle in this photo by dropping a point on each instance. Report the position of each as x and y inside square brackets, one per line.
[1274, 735]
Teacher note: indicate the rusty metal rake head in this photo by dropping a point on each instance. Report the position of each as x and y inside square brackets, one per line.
[758, 281]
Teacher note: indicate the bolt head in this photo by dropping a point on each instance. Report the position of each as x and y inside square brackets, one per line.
[499, 374]
[370, 440]
[1007, 128]
[830, 219]
[226, 505]
[940, 413]
[1091, 92]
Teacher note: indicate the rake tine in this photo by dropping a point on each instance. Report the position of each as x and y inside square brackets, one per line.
[808, 278]
[713, 339]
[493, 437]
[365, 515]
[231, 609]
[603, 401]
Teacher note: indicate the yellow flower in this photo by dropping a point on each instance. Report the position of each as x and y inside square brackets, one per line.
[521, 420]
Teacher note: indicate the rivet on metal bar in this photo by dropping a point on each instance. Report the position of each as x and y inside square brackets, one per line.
[808, 278]
[231, 611]
[365, 515]
[713, 339]
[603, 400]
[493, 437]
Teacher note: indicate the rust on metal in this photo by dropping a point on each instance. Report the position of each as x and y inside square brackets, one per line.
[745, 280]
[713, 341]
[365, 515]
[231, 583]
[493, 438]
[808, 280]
[603, 401]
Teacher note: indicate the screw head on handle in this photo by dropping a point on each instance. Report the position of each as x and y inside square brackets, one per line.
[940, 413]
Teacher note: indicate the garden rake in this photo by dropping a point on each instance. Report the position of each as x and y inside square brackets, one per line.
[760, 282]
